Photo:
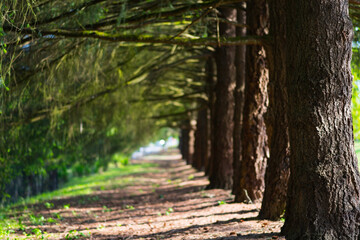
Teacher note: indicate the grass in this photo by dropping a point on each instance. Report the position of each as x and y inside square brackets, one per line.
[115, 177]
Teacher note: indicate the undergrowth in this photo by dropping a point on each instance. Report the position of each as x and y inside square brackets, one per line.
[24, 220]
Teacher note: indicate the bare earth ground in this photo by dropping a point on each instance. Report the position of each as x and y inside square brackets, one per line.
[168, 204]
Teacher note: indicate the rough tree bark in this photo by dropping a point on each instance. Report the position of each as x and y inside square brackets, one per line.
[278, 169]
[323, 196]
[253, 136]
[222, 148]
[201, 139]
[239, 97]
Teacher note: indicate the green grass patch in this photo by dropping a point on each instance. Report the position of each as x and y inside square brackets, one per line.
[115, 177]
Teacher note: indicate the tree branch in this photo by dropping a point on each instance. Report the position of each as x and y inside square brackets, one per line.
[176, 114]
[163, 14]
[68, 13]
[212, 41]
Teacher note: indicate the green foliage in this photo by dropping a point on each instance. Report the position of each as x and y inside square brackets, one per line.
[37, 220]
[106, 209]
[355, 65]
[356, 108]
[357, 151]
[49, 205]
[7, 227]
[74, 234]
[130, 207]
[71, 107]
[80, 170]
[170, 210]
[119, 158]
[66, 206]
[51, 220]
[111, 179]
[38, 233]
[57, 215]
[115, 177]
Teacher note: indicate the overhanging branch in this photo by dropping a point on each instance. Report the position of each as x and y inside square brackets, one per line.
[176, 114]
[162, 39]
[163, 14]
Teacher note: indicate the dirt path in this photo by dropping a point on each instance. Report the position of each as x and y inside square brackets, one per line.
[168, 204]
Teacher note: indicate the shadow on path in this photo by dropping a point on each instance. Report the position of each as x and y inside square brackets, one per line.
[169, 203]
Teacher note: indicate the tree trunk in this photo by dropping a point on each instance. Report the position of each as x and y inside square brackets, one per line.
[185, 141]
[191, 141]
[323, 197]
[253, 137]
[181, 143]
[278, 169]
[239, 97]
[210, 92]
[221, 176]
[201, 140]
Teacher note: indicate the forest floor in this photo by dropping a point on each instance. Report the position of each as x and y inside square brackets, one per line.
[166, 199]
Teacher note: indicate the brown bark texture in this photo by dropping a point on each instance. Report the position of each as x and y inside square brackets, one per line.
[201, 139]
[253, 136]
[278, 165]
[210, 70]
[222, 151]
[239, 97]
[323, 196]
[191, 141]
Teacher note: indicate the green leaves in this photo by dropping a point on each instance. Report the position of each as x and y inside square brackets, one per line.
[122, 15]
[356, 94]
[74, 234]
[48, 205]
[356, 108]
[2, 84]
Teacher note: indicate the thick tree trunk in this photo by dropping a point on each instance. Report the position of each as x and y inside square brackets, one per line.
[201, 140]
[222, 151]
[253, 137]
[239, 98]
[278, 169]
[323, 196]
[210, 92]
